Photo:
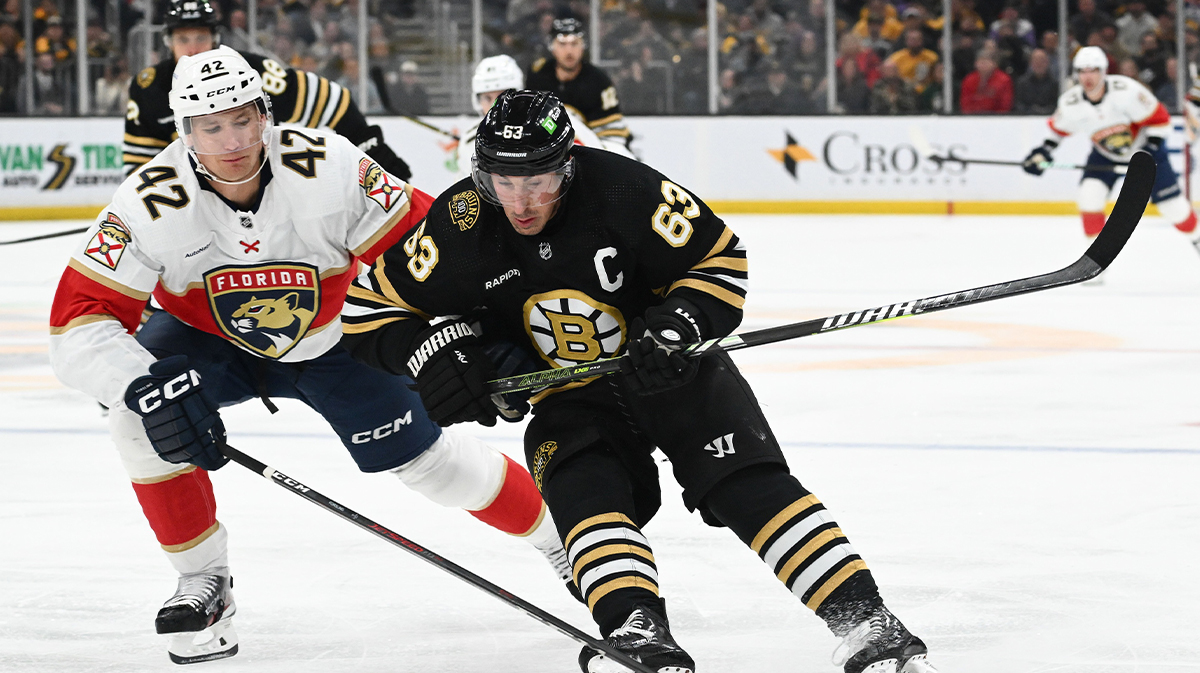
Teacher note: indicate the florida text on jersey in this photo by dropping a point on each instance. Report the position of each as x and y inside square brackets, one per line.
[297, 97]
[624, 238]
[270, 278]
[1114, 124]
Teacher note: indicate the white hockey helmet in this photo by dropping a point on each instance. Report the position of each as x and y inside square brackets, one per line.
[496, 73]
[1089, 58]
[212, 82]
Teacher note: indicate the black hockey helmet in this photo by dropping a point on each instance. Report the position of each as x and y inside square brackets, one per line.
[525, 133]
[567, 26]
[190, 14]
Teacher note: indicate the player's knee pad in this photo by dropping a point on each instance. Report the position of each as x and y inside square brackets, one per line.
[1177, 209]
[140, 459]
[458, 470]
[1092, 197]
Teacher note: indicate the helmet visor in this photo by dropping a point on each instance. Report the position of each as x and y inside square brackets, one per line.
[228, 131]
[522, 191]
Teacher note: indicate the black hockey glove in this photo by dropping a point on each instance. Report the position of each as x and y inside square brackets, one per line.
[181, 421]
[383, 155]
[452, 373]
[654, 363]
[510, 359]
[1041, 154]
[1153, 144]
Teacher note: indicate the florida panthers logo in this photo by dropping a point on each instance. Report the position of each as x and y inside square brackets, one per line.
[1117, 139]
[266, 309]
[569, 327]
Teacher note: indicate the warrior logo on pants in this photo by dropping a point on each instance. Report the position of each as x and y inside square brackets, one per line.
[266, 309]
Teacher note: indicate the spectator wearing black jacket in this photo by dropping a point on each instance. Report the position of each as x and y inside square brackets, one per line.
[1037, 90]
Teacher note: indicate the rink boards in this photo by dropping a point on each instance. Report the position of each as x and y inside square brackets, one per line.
[68, 168]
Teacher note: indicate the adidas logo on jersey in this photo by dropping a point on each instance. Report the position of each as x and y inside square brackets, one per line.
[721, 446]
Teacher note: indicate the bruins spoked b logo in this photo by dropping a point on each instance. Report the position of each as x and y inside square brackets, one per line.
[268, 308]
[569, 327]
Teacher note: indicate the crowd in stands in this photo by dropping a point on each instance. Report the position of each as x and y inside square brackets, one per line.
[771, 53]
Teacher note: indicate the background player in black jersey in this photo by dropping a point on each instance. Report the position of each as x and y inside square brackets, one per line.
[579, 84]
[192, 28]
[577, 254]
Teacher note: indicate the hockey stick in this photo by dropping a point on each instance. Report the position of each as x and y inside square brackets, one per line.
[431, 127]
[926, 150]
[45, 236]
[1126, 214]
[376, 75]
[330, 505]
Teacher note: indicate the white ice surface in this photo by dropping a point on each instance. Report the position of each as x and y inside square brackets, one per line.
[1022, 476]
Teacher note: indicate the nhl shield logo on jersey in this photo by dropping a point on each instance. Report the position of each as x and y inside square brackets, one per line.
[107, 246]
[569, 327]
[378, 184]
[266, 309]
[464, 209]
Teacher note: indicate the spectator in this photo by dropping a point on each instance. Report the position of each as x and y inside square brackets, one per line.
[932, 98]
[773, 96]
[372, 103]
[967, 43]
[1087, 20]
[640, 92]
[891, 95]
[691, 75]
[866, 61]
[1166, 93]
[51, 91]
[914, 63]
[987, 90]
[1036, 91]
[10, 67]
[54, 41]
[407, 95]
[729, 91]
[1129, 68]
[915, 18]
[1132, 25]
[1010, 17]
[1111, 45]
[1010, 51]
[883, 14]
[875, 40]
[853, 94]
[1050, 46]
[112, 90]
[1096, 39]
[1152, 64]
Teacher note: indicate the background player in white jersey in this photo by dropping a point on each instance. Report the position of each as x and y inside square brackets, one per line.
[493, 76]
[249, 235]
[1120, 116]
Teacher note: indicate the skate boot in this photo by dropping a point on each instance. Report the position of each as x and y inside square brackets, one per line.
[198, 617]
[561, 563]
[881, 644]
[644, 637]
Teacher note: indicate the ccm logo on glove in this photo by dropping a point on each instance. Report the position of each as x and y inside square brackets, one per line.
[170, 390]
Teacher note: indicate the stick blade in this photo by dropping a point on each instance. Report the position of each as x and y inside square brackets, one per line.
[1131, 205]
[919, 142]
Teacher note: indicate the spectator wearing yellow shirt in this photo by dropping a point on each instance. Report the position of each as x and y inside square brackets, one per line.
[880, 11]
[914, 63]
[53, 41]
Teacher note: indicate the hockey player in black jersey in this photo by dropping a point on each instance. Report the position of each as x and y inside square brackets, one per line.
[586, 89]
[572, 254]
[298, 97]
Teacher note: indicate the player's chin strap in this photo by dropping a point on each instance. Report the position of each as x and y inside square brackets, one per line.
[1126, 214]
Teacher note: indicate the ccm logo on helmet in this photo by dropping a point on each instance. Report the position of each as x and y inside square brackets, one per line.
[382, 431]
[218, 92]
[176, 387]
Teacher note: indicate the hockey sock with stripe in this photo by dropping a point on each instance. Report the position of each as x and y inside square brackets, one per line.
[182, 512]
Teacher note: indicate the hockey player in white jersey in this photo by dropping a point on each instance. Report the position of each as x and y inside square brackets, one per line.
[249, 236]
[1121, 117]
[493, 76]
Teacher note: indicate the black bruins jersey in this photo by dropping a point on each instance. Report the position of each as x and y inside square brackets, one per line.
[297, 97]
[624, 238]
[591, 95]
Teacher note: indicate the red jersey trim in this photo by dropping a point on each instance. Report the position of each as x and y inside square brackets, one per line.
[82, 292]
[1160, 117]
[1050, 123]
[413, 212]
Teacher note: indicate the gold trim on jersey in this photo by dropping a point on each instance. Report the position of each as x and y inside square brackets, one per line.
[301, 96]
[342, 107]
[393, 297]
[541, 517]
[194, 542]
[319, 106]
[186, 289]
[80, 322]
[139, 159]
[731, 263]
[620, 583]
[330, 273]
[388, 226]
[834, 582]
[146, 141]
[107, 282]
[611, 517]
[166, 477]
[733, 299]
[804, 553]
[613, 133]
[364, 327]
[722, 242]
[605, 120]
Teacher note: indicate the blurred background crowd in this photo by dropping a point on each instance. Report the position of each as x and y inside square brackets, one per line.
[772, 55]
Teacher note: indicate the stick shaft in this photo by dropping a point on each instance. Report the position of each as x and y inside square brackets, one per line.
[330, 505]
[56, 234]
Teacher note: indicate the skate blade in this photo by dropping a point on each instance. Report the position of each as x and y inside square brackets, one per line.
[602, 664]
[916, 664]
[218, 641]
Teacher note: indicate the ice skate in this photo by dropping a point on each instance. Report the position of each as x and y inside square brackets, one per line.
[645, 637]
[198, 618]
[881, 644]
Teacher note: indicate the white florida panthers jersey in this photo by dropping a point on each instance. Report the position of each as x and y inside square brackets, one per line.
[270, 278]
[1119, 123]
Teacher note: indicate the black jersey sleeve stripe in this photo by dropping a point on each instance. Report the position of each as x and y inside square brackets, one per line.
[145, 141]
[734, 299]
[341, 109]
[301, 96]
[314, 117]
